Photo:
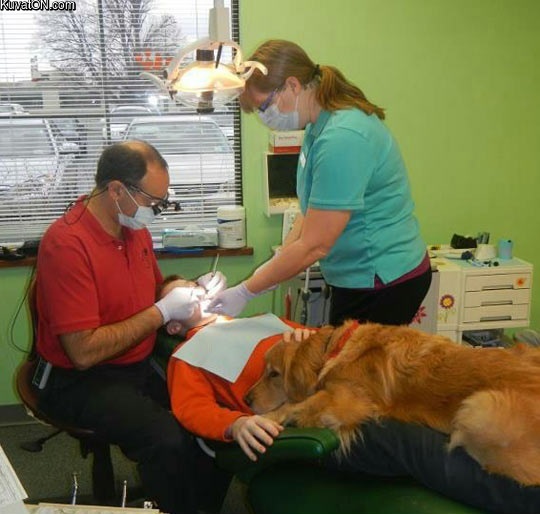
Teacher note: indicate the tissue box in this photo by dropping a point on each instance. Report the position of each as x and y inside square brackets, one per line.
[285, 141]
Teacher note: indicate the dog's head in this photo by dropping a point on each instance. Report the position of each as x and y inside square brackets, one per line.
[291, 372]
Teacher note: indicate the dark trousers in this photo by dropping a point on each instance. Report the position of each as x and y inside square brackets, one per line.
[392, 448]
[392, 305]
[128, 406]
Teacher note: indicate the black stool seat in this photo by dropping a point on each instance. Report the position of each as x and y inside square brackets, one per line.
[102, 471]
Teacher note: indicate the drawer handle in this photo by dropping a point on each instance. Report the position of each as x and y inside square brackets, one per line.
[502, 286]
[500, 302]
[495, 318]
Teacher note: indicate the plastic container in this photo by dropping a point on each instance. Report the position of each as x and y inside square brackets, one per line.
[505, 249]
[231, 225]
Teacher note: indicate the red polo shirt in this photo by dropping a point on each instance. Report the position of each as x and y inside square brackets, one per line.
[86, 278]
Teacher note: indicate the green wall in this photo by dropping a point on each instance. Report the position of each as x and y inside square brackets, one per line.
[460, 81]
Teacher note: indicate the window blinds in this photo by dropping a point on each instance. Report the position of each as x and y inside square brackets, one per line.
[70, 85]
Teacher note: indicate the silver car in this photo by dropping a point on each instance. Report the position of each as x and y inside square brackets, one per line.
[12, 110]
[199, 155]
[120, 117]
[32, 162]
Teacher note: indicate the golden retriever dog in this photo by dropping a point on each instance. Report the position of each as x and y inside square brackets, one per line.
[487, 400]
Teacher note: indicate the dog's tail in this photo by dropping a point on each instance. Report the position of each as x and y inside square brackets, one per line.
[500, 430]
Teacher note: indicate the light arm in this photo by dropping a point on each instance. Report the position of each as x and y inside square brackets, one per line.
[320, 230]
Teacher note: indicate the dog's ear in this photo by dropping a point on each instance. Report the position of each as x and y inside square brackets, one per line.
[303, 363]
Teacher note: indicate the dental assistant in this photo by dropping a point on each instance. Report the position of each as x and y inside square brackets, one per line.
[357, 213]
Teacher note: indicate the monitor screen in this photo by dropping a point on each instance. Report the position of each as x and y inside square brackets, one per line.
[282, 175]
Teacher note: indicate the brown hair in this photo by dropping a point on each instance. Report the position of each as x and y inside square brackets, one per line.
[166, 281]
[285, 59]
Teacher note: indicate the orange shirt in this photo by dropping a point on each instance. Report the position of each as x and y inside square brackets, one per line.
[206, 404]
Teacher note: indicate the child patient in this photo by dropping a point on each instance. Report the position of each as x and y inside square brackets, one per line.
[210, 406]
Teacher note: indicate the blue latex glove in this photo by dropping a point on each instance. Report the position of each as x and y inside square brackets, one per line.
[232, 301]
[213, 283]
[180, 303]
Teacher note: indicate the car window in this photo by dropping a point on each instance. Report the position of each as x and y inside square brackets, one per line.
[181, 138]
[25, 141]
[122, 111]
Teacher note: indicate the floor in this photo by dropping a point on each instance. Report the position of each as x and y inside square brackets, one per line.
[47, 475]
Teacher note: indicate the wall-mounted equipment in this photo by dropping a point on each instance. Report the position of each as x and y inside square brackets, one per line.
[280, 182]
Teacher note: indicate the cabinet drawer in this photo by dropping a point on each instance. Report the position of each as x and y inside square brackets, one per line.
[497, 297]
[502, 281]
[495, 313]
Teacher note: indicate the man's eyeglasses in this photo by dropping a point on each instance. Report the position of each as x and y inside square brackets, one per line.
[268, 102]
[157, 204]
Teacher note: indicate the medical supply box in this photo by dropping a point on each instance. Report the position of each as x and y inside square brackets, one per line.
[289, 141]
[190, 237]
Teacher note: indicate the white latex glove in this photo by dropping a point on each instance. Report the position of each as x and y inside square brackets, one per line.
[180, 303]
[254, 434]
[232, 301]
[214, 283]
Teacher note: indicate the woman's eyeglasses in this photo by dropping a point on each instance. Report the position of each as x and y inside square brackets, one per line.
[157, 204]
[268, 101]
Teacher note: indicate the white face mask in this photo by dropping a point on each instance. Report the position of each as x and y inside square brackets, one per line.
[143, 216]
[277, 120]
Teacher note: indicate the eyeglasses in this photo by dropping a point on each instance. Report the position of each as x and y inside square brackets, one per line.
[268, 101]
[157, 204]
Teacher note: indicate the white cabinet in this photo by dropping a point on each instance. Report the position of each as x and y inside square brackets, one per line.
[463, 297]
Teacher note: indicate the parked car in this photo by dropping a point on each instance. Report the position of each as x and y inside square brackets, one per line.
[70, 130]
[7, 109]
[120, 117]
[32, 163]
[200, 158]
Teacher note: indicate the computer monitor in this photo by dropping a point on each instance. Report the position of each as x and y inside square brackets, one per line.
[280, 183]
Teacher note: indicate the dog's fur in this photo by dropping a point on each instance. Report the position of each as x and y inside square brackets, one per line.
[488, 400]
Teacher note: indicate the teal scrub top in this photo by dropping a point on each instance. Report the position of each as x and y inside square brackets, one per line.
[350, 161]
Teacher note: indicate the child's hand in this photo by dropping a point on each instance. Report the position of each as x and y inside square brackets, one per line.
[254, 433]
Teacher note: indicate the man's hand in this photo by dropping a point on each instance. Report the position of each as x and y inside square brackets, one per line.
[232, 301]
[180, 303]
[213, 283]
[254, 434]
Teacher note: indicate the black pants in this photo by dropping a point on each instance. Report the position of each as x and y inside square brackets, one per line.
[393, 305]
[392, 448]
[128, 406]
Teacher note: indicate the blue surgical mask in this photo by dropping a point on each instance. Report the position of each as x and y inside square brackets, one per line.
[143, 216]
[277, 120]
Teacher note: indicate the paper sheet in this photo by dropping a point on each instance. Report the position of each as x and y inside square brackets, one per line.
[224, 348]
[11, 490]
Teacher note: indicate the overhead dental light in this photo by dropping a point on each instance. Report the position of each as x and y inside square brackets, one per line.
[207, 82]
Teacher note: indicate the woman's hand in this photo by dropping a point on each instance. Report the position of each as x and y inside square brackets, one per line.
[232, 301]
[213, 283]
[254, 434]
[299, 334]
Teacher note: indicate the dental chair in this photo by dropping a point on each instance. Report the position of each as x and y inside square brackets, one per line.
[288, 480]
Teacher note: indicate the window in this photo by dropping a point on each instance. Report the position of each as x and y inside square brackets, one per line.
[70, 84]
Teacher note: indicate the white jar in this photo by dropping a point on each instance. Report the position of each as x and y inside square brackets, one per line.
[231, 226]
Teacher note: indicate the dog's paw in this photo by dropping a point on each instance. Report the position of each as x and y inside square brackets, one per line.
[328, 420]
[281, 415]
